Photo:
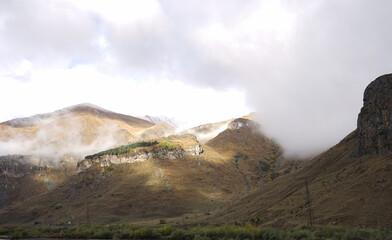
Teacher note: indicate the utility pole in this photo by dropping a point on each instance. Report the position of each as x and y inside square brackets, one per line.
[308, 203]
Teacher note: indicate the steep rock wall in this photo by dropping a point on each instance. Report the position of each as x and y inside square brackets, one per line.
[375, 119]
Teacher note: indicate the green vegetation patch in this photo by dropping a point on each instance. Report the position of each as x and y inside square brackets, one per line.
[168, 145]
[264, 166]
[58, 205]
[124, 149]
[239, 155]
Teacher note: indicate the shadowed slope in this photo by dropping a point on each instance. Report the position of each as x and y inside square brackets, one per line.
[249, 150]
[345, 189]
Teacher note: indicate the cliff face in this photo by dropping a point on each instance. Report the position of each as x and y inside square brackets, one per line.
[108, 160]
[375, 119]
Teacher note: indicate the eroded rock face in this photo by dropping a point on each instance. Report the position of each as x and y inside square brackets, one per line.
[375, 119]
[195, 150]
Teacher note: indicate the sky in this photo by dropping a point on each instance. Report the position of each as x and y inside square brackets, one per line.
[301, 65]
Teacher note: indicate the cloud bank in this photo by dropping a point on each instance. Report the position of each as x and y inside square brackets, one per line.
[302, 64]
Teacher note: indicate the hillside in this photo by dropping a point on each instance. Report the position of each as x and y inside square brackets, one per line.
[22, 177]
[350, 184]
[253, 154]
[345, 189]
[48, 146]
[175, 176]
[159, 177]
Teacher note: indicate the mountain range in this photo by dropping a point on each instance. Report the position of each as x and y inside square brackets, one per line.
[87, 164]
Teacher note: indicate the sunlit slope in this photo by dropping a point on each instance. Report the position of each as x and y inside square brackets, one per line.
[153, 187]
[345, 189]
[170, 177]
[76, 131]
[47, 147]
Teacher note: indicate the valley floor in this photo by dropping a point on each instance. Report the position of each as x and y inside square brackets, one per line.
[163, 231]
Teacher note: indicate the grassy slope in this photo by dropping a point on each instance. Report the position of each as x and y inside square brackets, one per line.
[150, 189]
[249, 142]
[82, 125]
[28, 180]
[344, 190]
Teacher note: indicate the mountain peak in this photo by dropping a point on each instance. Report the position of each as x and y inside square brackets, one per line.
[243, 123]
[84, 106]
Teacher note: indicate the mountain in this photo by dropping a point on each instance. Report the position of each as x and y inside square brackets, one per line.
[42, 151]
[230, 176]
[85, 108]
[349, 184]
[160, 177]
[70, 132]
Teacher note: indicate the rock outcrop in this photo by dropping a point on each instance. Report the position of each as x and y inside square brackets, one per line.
[374, 124]
[108, 160]
[185, 145]
[243, 123]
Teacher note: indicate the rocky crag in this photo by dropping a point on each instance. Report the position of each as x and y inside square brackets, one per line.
[184, 145]
[242, 123]
[375, 119]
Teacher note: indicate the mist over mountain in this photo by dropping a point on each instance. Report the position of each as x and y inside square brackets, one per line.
[71, 132]
[160, 119]
[76, 131]
[169, 151]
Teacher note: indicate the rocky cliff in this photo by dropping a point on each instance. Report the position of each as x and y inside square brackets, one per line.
[375, 119]
[184, 145]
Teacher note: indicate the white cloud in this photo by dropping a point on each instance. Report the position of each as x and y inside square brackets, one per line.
[120, 11]
[303, 65]
[49, 90]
